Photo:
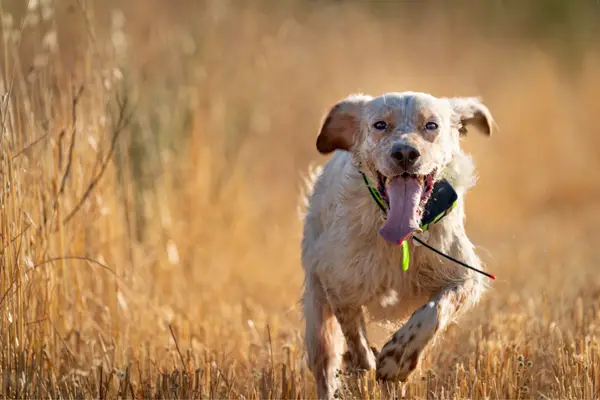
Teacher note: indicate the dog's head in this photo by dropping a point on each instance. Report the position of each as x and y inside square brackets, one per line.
[403, 141]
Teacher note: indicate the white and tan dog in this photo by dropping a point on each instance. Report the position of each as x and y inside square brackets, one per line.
[350, 253]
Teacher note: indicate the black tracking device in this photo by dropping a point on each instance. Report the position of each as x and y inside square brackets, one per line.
[442, 200]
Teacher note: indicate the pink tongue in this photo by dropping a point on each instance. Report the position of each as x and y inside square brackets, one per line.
[402, 220]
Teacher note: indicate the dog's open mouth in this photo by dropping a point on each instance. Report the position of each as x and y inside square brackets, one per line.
[406, 195]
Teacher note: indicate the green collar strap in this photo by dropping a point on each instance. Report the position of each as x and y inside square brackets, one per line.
[375, 194]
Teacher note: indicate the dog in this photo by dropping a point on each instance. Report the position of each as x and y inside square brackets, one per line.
[350, 252]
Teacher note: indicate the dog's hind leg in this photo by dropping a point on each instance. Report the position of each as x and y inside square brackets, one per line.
[323, 336]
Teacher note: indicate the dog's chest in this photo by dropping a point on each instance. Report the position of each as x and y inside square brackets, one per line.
[384, 288]
[366, 270]
[397, 296]
[376, 273]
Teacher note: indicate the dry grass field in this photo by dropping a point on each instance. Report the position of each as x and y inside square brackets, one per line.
[152, 157]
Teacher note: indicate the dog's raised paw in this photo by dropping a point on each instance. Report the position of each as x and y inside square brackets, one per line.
[400, 356]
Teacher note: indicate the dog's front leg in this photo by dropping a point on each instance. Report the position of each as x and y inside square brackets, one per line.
[352, 321]
[400, 356]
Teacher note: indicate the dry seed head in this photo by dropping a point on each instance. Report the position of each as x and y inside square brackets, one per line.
[50, 41]
[32, 5]
[47, 13]
[28, 262]
[107, 84]
[172, 252]
[119, 41]
[93, 143]
[117, 74]
[118, 20]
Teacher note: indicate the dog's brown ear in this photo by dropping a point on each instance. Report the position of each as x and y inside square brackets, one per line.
[471, 111]
[341, 125]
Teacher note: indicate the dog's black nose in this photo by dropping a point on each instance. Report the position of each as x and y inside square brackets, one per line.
[405, 155]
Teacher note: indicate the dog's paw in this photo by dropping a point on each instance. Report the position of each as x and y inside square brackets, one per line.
[354, 364]
[400, 356]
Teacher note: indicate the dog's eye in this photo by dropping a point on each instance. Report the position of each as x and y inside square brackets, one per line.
[431, 126]
[380, 125]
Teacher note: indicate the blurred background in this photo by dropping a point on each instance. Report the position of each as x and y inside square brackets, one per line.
[154, 154]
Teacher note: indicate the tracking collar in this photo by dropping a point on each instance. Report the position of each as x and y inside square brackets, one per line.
[441, 202]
